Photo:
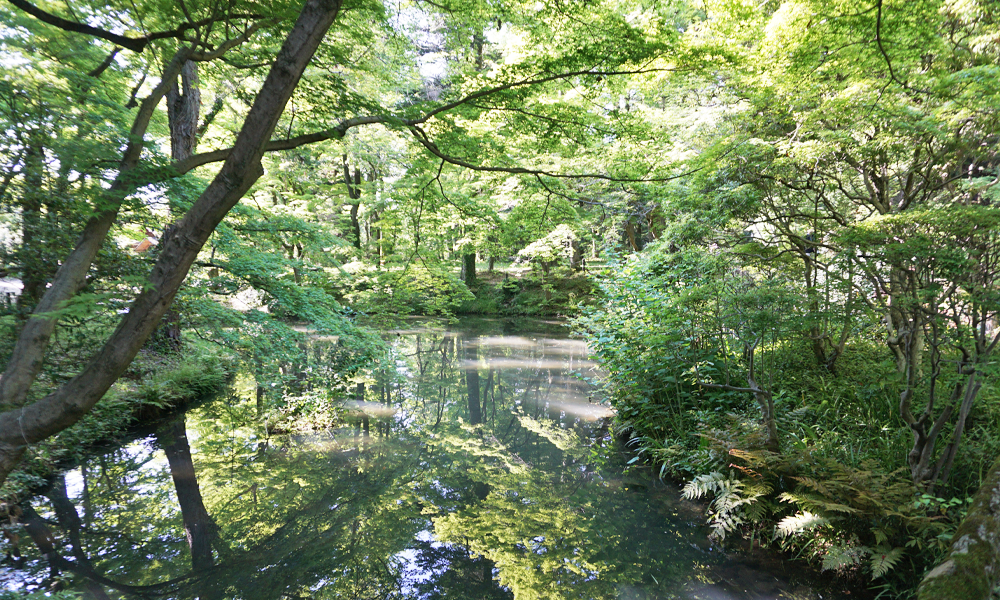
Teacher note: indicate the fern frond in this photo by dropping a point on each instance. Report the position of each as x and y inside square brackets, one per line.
[798, 413]
[705, 484]
[798, 523]
[732, 499]
[842, 508]
[841, 557]
[814, 485]
[723, 523]
[815, 503]
[880, 536]
[884, 559]
[755, 458]
[756, 511]
[762, 488]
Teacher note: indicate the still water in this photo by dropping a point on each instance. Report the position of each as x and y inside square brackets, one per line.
[477, 466]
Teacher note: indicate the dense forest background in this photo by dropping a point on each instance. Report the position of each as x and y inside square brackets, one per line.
[773, 221]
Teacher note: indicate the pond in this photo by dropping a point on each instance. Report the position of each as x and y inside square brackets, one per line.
[478, 466]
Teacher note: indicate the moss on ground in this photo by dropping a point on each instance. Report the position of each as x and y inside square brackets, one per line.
[154, 384]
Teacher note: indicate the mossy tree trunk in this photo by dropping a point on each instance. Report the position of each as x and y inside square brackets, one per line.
[972, 569]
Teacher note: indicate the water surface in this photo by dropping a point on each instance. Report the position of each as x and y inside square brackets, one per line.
[477, 466]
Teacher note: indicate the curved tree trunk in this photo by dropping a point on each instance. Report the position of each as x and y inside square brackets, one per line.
[178, 250]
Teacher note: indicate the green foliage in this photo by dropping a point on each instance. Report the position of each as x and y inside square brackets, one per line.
[154, 384]
[11, 595]
[824, 268]
[828, 494]
[549, 250]
[733, 504]
[798, 523]
[416, 289]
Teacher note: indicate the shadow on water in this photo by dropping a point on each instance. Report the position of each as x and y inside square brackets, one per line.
[475, 465]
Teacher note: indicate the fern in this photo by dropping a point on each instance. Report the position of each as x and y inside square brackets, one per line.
[881, 536]
[815, 503]
[883, 560]
[842, 557]
[798, 523]
[758, 511]
[704, 484]
[815, 485]
[732, 499]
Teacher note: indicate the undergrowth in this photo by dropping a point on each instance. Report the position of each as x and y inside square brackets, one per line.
[828, 496]
[154, 383]
[838, 493]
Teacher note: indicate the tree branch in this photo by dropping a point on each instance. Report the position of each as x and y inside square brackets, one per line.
[729, 388]
[527, 82]
[885, 55]
[227, 45]
[134, 44]
[334, 133]
[425, 141]
[104, 65]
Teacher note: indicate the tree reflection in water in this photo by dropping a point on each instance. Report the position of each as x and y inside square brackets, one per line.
[475, 466]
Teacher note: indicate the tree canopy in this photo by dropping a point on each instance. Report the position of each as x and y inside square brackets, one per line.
[796, 201]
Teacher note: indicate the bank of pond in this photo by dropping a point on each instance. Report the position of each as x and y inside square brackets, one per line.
[475, 462]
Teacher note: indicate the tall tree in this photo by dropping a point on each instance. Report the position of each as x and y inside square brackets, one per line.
[26, 423]
[219, 35]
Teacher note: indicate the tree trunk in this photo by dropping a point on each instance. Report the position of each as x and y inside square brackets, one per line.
[766, 402]
[69, 521]
[178, 250]
[472, 384]
[633, 234]
[354, 193]
[576, 258]
[43, 538]
[469, 270]
[356, 224]
[33, 276]
[972, 569]
[183, 112]
[198, 524]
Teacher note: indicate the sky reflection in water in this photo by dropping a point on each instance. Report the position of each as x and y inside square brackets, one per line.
[478, 466]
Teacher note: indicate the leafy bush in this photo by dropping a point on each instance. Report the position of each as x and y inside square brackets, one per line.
[549, 251]
[414, 289]
[838, 491]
